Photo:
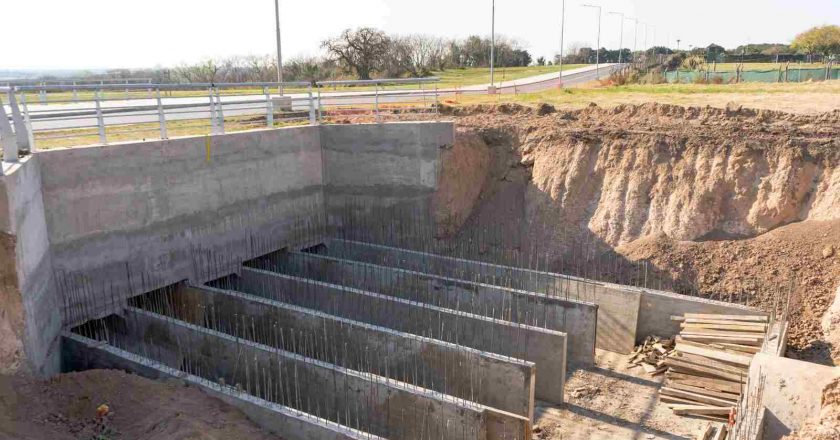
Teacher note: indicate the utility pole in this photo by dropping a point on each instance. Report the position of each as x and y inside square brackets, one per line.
[279, 47]
[620, 35]
[492, 44]
[562, 32]
[598, 42]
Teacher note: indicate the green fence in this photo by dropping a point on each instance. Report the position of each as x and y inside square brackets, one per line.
[775, 75]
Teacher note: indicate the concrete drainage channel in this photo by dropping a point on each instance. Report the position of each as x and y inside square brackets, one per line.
[333, 342]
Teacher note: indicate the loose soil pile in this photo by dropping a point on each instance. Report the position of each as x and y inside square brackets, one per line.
[66, 408]
[727, 200]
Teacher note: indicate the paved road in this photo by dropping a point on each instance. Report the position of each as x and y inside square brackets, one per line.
[119, 112]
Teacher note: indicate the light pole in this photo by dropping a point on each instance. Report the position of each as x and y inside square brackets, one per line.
[492, 44]
[279, 50]
[562, 32]
[620, 35]
[597, 42]
[635, 37]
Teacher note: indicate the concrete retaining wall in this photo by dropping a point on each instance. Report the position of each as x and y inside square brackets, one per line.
[152, 208]
[617, 308]
[379, 165]
[577, 319]
[30, 318]
[388, 408]
[82, 354]
[485, 378]
[545, 348]
[106, 222]
[657, 307]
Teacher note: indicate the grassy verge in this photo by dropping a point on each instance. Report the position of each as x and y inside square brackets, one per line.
[809, 97]
[451, 78]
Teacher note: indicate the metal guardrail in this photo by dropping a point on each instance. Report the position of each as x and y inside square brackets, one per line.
[65, 115]
[390, 97]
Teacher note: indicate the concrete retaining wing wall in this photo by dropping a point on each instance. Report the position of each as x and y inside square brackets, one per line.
[87, 227]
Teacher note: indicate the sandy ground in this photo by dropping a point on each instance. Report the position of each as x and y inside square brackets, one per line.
[65, 408]
[612, 402]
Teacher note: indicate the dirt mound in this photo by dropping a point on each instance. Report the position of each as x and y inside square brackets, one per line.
[65, 407]
[606, 178]
[827, 426]
[804, 252]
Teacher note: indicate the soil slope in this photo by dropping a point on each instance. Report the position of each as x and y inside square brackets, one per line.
[688, 189]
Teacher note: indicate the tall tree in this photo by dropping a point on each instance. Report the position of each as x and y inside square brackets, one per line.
[824, 40]
[361, 51]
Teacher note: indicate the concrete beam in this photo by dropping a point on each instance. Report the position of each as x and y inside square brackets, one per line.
[618, 308]
[81, 354]
[577, 319]
[388, 408]
[546, 348]
[485, 378]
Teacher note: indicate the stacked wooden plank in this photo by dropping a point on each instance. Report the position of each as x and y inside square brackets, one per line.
[651, 355]
[708, 368]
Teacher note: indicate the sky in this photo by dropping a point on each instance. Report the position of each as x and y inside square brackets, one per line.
[79, 34]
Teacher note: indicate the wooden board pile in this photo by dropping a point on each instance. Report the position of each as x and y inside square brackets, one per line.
[651, 355]
[708, 368]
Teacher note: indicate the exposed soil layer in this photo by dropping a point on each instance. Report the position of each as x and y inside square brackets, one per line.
[66, 408]
[826, 426]
[726, 200]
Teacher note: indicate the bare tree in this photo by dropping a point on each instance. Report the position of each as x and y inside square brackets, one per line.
[361, 51]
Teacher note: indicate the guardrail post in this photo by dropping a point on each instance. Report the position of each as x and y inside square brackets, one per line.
[213, 128]
[7, 138]
[320, 107]
[20, 127]
[75, 93]
[269, 108]
[161, 116]
[42, 93]
[27, 121]
[221, 116]
[437, 103]
[100, 120]
[312, 119]
[376, 102]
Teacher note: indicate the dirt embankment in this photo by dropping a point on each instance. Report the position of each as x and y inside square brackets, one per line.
[688, 189]
[65, 407]
[827, 425]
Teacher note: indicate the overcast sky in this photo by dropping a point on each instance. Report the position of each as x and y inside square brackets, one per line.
[69, 34]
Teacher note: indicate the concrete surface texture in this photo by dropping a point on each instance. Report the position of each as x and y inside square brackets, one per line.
[30, 319]
[86, 226]
[492, 380]
[790, 391]
[545, 348]
[576, 319]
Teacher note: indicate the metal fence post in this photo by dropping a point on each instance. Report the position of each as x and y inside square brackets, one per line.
[100, 120]
[320, 107]
[269, 108]
[221, 116]
[42, 93]
[437, 103]
[376, 102]
[17, 120]
[312, 117]
[75, 93]
[27, 121]
[213, 128]
[7, 138]
[161, 116]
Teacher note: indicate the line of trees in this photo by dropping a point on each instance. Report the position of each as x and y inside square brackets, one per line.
[362, 53]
